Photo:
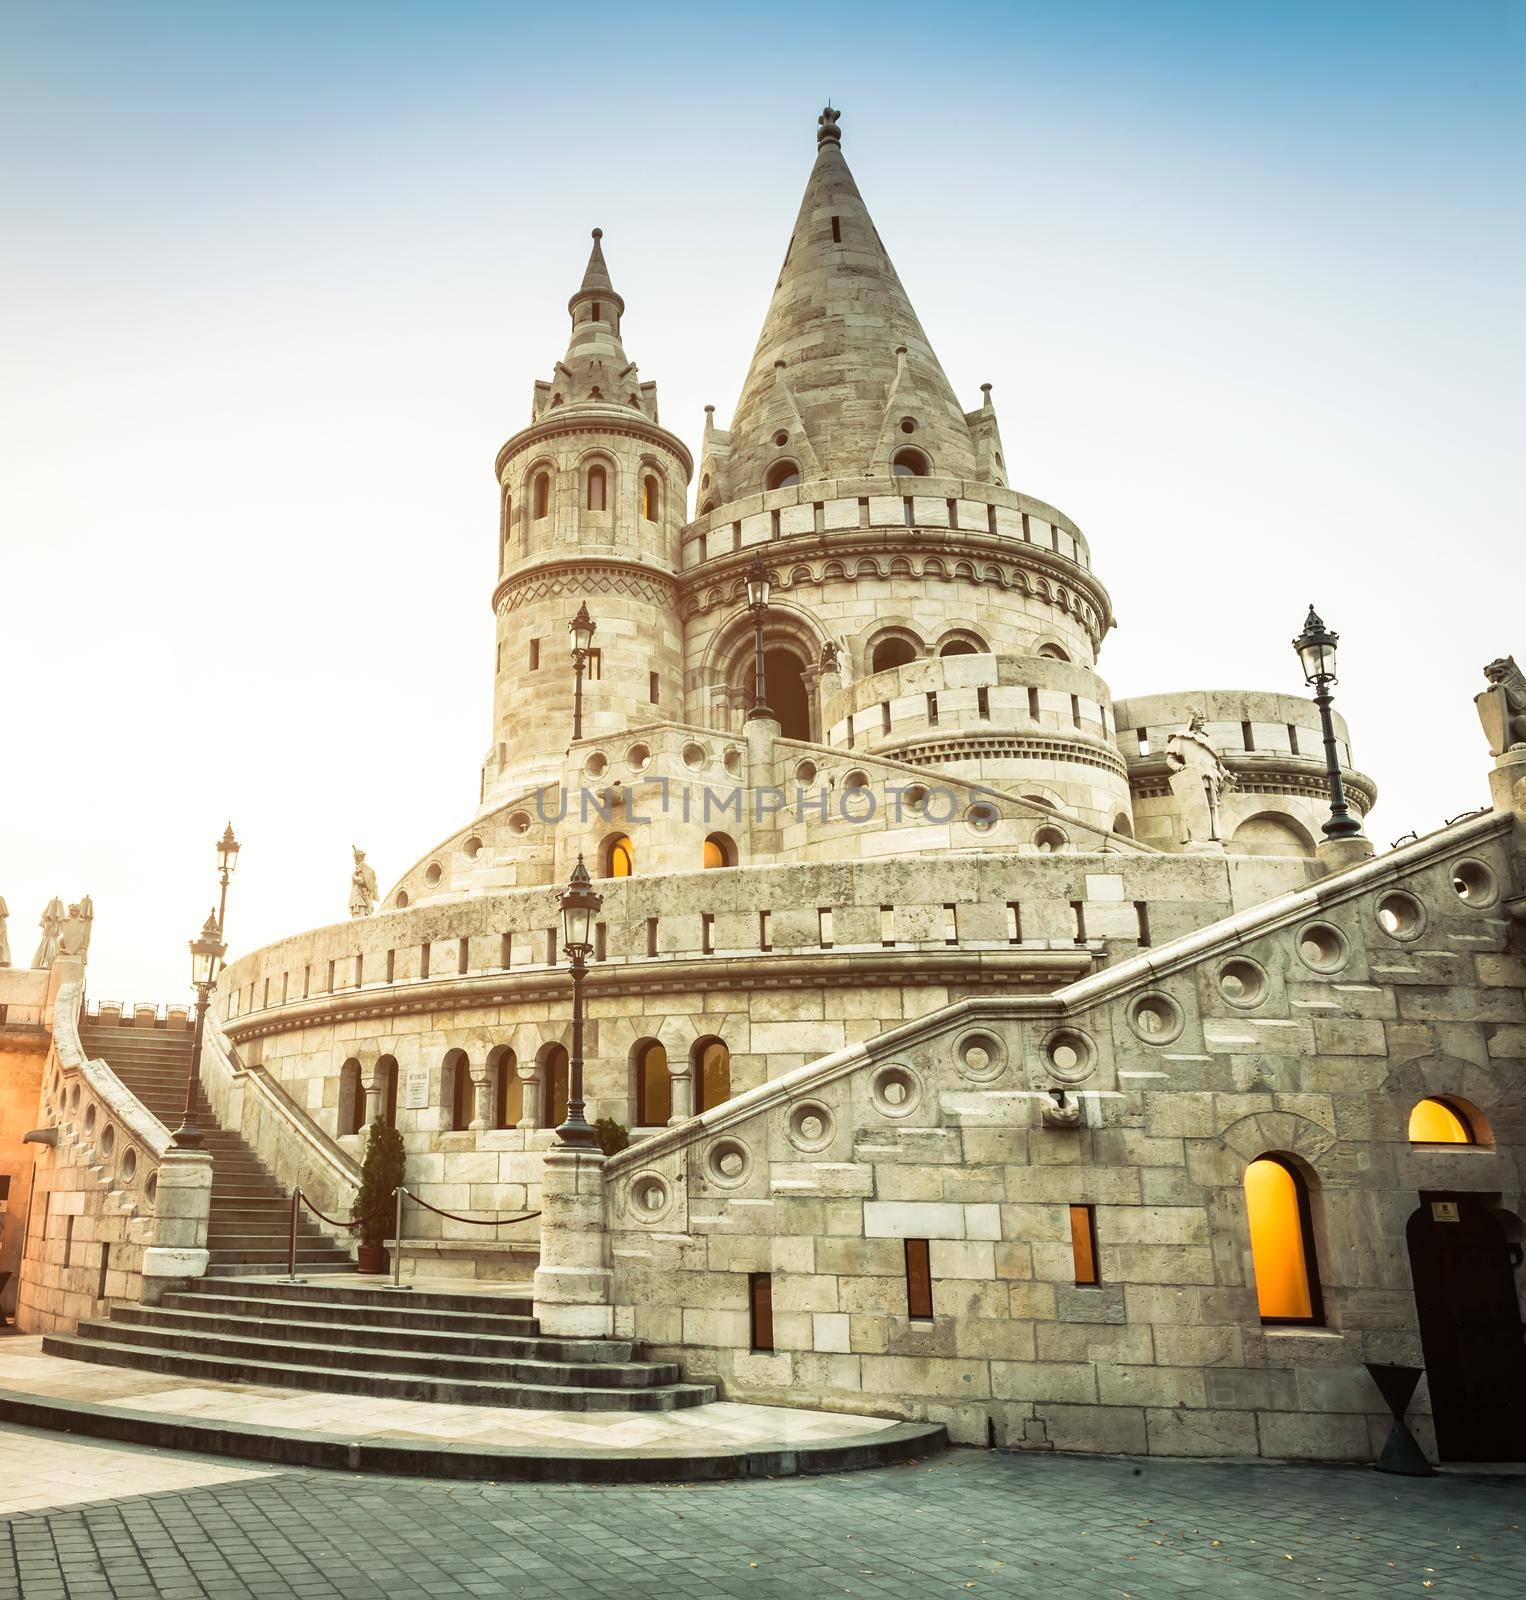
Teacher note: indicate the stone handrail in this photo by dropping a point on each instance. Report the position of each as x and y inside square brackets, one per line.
[1218, 938]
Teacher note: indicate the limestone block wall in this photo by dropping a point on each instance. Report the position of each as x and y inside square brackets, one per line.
[112, 1215]
[26, 1008]
[1307, 1028]
[1273, 745]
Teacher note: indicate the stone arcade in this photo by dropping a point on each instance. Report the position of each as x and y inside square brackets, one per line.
[995, 1052]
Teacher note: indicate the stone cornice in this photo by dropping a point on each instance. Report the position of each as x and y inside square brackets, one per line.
[652, 978]
[618, 571]
[1261, 772]
[605, 420]
[841, 544]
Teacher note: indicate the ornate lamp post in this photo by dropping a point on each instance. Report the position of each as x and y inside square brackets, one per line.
[758, 587]
[207, 950]
[579, 903]
[227, 865]
[581, 628]
[1316, 650]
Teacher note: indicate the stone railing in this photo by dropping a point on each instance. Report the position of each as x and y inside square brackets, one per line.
[117, 1211]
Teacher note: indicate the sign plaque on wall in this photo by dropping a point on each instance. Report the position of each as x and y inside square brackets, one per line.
[416, 1088]
[1444, 1211]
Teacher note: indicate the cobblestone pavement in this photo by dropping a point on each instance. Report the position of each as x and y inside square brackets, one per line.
[970, 1522]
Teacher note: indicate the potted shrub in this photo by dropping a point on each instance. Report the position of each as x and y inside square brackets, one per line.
[375, 1210]
[612, 1136]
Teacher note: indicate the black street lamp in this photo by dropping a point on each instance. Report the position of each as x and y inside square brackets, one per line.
[1316, 650]
[758, 585]
[579, 903]
[581, 629]
[227, 865]
[207, 950]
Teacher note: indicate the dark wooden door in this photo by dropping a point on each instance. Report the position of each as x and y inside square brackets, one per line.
[1470, 1328]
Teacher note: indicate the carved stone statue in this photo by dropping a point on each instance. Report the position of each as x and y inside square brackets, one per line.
[5, 943]
[831, 652]
[1199, 782]
[74, 938]
[52, 925]
[363, 889]
[1502, 706]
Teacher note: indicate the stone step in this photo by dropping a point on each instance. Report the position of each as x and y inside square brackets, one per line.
[496, 1366]
[347, 1292]
[269, 1258]
[467, 1341]
[355, 1380]
[406, 1311]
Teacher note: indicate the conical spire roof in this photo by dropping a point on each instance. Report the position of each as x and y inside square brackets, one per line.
[842, 350]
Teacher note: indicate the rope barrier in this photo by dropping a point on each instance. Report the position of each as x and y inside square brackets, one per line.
[333, 1222]
[476, 1222]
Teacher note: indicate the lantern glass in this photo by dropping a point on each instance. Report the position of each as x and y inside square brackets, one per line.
[582, 630]
[227, 851]
[577, 916]
[758, 587]
[206, 952]
[1318, 657]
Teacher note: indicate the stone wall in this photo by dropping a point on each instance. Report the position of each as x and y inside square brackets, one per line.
[1308, 1027]
[26, 1021]
[116, 1212]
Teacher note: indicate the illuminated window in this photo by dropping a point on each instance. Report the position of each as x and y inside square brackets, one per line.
[909, 464]
[619, 857]
[1083, 1243]
[654, 1085]
[542, 493]
[712, 1074]
[553, 1086]
[1281, 1242]
[651, 499]
[720, 851]
[1436, 1122]
[598, 489]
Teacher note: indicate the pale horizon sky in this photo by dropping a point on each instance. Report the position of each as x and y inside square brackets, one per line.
[277, 282]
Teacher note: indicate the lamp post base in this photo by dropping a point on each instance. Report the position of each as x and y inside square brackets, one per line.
[1335, 855]
[574, 1283]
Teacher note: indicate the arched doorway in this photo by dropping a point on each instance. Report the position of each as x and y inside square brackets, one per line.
[788, 697]
[1470, 1327]
[553, 1086]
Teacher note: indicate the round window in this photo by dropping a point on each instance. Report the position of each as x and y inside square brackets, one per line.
[1400, 915]
[1474, 884]
[1321, 947]
[1242, 982]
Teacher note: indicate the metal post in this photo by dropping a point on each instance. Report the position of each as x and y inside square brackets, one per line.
[575, 1128]
[397, 1241]
[578, 658]
[1342, 825]
[760, 707]
[188, 1135]
[291, 1240]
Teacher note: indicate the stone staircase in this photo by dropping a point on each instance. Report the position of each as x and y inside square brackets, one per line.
[250, 1217]
[340, 1336]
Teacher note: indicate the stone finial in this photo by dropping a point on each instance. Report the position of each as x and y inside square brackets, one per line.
[827, 131]
[598, 233]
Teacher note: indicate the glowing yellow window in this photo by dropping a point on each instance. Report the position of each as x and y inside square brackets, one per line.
[1435, 1122]
[622, 858]
[1281, 1243]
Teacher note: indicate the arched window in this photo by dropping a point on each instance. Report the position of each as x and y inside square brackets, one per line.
[711, 1061]
[788, 697]
[553, 1086]
[958, 647]
[598, 489]
[619, 857]
[456, 1090]
[910, 464]
[508, 1091]
[720, 851]
[1052, 652]
[1122, 825]
[782, 475]
[541, 492]
[1282, 1242]
[1439, 1122]
[892, 653]
[651, 498]
[352, 1098]
[653, 1085]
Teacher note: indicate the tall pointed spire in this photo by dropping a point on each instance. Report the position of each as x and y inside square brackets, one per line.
[596, 370]
[842, 341]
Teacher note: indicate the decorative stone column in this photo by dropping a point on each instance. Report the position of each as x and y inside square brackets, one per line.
[682, 1092]
[573, 1283]
[482, 1098]
[375, 1089]
[529, 1077]
[182, 1205]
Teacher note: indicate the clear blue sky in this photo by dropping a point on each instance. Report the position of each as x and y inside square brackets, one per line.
[277, 279]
